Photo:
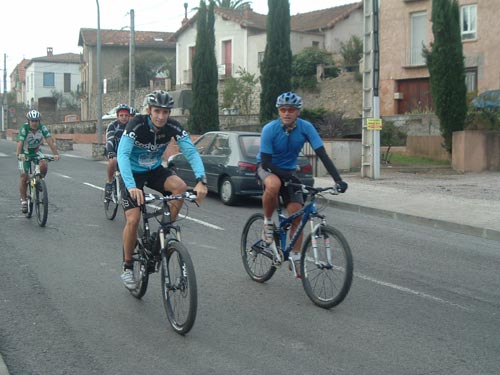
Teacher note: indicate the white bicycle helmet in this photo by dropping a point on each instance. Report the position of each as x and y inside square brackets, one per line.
[289, 98]
[33, 115]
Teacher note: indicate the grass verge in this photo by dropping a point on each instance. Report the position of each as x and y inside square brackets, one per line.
[400, 159]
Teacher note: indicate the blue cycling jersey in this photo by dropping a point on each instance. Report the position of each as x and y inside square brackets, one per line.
[285, 147]
[140, 149]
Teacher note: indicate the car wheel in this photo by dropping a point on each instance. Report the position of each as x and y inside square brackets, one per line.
[226, 192]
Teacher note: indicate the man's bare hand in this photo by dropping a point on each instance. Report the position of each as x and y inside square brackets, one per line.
[137, 195]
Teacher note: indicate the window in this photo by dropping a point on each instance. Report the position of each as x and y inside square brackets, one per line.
[48, 80]
[471, 79]
[418, 37]
[67, 82]
[468, 21]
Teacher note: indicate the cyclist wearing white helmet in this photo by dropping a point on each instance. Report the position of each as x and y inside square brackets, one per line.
[114, 132]
[29, 139]
[281, 142]
[140, 151]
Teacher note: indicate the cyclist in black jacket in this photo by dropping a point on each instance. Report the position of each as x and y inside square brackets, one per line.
[114, 132]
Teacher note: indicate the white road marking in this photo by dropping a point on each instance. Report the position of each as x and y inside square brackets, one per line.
[183, 216]
[62, 175]
[3, 155]
[411, 291]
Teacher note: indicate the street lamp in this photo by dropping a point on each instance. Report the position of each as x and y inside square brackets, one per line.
[99, 80]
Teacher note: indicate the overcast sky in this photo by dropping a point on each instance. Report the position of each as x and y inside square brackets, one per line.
[28, 27]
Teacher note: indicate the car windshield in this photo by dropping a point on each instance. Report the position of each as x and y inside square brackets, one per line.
[250, 145]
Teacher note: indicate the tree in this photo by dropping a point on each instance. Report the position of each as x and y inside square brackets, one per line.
[232, 4]
[147, 66]
[352, 52]
[205, 109]
[276, 68]
[446, 66]
[304, 67]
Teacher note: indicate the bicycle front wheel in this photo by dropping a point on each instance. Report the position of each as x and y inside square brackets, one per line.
[327, 272]
[178, 286]
[41, 202]
[111, 203]
[29, 199]
[257, 257]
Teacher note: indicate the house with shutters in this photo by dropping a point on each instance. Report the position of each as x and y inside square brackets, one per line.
[240, 37]
[115, 49]
[405, 26]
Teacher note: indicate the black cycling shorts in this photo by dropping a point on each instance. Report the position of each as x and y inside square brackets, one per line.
[154, 179]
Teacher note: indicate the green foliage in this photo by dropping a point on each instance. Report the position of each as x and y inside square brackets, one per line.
[390, 135]
[351, 52]
[304, 67]
[276, 68]
[232, 4]
[205, 109]
[400, 159]
[238, 91]
[482, 119]
[445, 61]
[147, 66]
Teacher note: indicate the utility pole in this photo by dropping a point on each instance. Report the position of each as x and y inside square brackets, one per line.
[99, 81]
[370, 140]
[4, 101]
[131, 61]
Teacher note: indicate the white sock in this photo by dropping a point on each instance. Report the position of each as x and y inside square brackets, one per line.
[268, 220]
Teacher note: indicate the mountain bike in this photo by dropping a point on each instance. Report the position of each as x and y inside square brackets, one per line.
[163, 251]
[111, 204]
[36, 190]
[326, 264]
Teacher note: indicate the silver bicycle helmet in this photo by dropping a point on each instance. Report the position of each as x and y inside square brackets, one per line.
[289, 98]
[33, 115]
[161, 99]
[123, 107]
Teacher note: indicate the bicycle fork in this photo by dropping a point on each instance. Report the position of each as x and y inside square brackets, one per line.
[314, 241]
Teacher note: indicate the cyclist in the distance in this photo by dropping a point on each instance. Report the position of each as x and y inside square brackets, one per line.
[114, 132]
[29, 139]
[140, 161]
[281, 142]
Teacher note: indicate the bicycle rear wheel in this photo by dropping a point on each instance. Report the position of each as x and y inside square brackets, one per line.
[41, 202]
[29, 199]
[111, 204]
[326, 278]
[178, 286]
[257, 258]
[140, 270]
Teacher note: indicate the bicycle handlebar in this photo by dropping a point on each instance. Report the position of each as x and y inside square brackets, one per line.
[310, 190]
[38, 158]
[188, 195]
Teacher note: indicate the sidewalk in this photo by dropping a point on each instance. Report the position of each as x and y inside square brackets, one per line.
[439, 197]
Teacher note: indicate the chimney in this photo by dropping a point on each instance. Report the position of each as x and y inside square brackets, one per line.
[50, 51]
[185, 14]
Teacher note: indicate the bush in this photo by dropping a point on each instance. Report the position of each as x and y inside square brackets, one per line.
[304, 67]
[390, 135]
[482, 119]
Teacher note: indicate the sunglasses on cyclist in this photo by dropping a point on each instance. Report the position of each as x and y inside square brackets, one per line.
[287, 109]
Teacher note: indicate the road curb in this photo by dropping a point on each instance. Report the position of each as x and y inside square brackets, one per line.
[469, 230]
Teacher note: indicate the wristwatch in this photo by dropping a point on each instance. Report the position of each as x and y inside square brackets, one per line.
[203, 180]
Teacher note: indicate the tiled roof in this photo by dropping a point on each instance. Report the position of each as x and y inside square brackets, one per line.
[322, 19]
[69, 58]
[312, 21]
[122, 38]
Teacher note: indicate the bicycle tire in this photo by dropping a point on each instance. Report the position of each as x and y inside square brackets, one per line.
[141, 273]
[178, 286]
[41, 202]
[257, 258]
[29, 199]
[111, 205]
[326, 284]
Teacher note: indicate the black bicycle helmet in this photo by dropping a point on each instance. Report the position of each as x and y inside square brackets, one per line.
[161, 99]
[34, 115]
[290, 99]
[123, 107]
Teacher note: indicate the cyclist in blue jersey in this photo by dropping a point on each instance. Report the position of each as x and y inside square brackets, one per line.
[281, 142]
[140, 161]
[114, 132]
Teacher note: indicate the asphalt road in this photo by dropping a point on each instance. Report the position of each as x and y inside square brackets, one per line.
[422, 301]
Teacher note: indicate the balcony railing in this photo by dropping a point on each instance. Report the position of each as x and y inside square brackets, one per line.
[412, 57]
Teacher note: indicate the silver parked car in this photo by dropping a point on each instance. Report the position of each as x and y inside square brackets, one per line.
[230, 163]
